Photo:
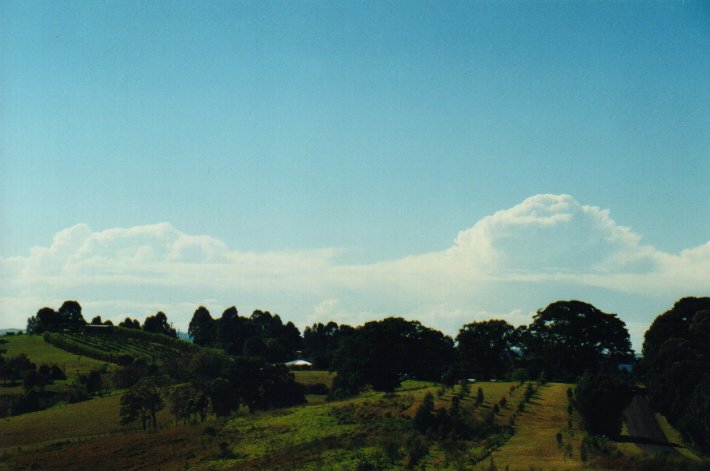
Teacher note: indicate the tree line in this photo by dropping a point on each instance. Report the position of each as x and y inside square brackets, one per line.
[69, 317]
[676, 368]
[566, 341]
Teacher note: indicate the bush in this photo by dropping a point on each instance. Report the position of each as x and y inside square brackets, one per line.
[417, 448]
[317, 388]
[600, 400]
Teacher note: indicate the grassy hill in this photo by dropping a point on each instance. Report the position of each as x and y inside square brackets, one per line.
[372, 429]
[327, 435]
[40, 352]
[118, 344]
[335, 435]
[535, 439]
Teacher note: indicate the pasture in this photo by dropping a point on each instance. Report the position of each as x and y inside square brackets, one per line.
[39, 352]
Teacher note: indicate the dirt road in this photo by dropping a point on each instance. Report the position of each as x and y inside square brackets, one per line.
[644, 430]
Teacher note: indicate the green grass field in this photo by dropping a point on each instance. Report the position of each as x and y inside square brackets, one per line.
[40, 352]
[534, 441]
[314, 377]
[61, 422]
[337, 435]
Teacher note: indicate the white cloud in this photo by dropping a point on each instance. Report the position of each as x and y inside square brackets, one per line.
[553, 234]
[506, 265]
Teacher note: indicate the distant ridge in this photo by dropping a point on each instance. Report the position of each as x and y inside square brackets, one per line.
[8, 331]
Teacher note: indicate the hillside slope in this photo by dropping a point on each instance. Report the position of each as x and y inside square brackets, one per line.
[535, 442]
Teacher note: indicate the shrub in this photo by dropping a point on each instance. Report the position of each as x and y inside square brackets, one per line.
[600, 400]
[417, 448]
[479, 396]
[316, 388]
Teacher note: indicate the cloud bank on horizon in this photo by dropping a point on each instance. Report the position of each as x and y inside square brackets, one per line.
[507, 265]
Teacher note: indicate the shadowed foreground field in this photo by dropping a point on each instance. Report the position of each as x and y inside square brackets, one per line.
[318, 436]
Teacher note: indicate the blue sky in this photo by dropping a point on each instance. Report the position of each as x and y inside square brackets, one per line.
[373, 130]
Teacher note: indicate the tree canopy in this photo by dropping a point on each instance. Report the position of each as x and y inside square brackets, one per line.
[261, 335]
[202, 327]
[568, 338]
[485, 349]
[381, 353]
[158, 324]
[68, 317]
[676, 366]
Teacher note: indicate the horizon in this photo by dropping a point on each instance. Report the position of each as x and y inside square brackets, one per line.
[447, 163]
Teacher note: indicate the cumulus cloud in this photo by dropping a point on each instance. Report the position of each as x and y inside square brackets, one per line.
[506, 265]
[553, 234]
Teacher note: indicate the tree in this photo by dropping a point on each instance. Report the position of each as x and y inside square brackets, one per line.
[321, 342]
[188, 402]
[676, 355]
[203, 328]
[233, 331]
[32, 379]
[70, 316]
[96, 321]
[223, 397]
[600, 399]
[424, 416]
[92, 382]
[485, 349]
[158, 324]
[142, 402]
[381, 353]
[129, 323]
[263, 386]
[46, 320]
[479, 396]
[570, 337]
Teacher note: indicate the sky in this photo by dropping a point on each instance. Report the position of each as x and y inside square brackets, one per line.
[444, 161]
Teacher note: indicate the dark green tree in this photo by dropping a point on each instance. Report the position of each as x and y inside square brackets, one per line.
[203, 329]
[424, 416]
[676, 355]
[320, 342]
[143, 402]
[233, 331]
[224, 397]
[158, 324]
[485, 349]
[381, 353]
[70, 316]
[129, 323]
[570, 337]
[46, 320]
[600, 399]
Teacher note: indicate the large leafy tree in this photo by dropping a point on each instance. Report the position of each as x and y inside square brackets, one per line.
[46, 320]
[485, 349]
[70, 315]
[380, 353]
[321, 341]
[600, 399]
[568, 338]
[676, 366]
[143, 402]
